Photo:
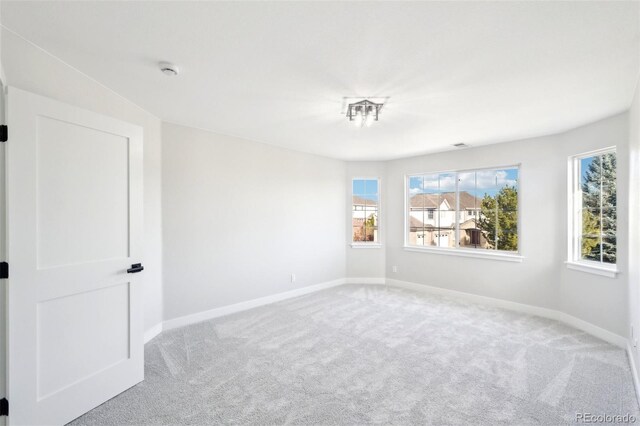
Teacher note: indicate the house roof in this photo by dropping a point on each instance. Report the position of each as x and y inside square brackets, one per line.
[469, 224]
[417, 224]
[432, 201]
[362, 201]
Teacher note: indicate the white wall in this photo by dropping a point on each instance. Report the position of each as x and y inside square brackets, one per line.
[31, 68]
[366, 262]
[240, 217]
[542, 278]
[634, 224]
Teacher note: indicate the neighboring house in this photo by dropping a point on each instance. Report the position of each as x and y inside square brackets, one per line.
[433, 220]
[364, 220]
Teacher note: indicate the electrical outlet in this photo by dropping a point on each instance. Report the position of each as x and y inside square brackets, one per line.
[394, 268]
[293, 278]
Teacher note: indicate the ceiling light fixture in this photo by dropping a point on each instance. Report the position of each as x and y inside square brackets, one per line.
[364, 113]
[168, 68]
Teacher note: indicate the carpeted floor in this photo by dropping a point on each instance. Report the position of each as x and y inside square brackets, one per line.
[371, 354]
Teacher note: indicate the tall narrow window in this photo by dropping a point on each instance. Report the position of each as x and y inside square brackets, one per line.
[364, 211]
[593, 233]
[475, 209]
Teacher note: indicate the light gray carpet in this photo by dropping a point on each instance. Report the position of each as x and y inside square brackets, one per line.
[370, 354]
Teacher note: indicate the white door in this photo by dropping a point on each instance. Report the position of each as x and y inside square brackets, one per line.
[74, 225]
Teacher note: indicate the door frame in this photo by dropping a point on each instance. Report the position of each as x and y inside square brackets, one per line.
[3, 246]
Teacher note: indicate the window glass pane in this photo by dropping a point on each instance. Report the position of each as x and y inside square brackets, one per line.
[357, 219]
[416, 209]
[445, 220]
[508, 240]
[364, 219]
[591, 221]
[415, 185]
[431, 202]
[371, 226]
[609, 195]
[609, 216]
[469, 211]
[609, 220]
[507, 204]
[371, 187]
[590, 182]
[483, 211]
[609, 248]
[597, 187]
[371, 218]
[590, 247]
[498, 190]
[486, 190]
[358, 187]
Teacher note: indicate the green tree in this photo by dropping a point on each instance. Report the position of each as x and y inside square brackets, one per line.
[599, 201]
[370, 226]
[590, 233]
[499, 219]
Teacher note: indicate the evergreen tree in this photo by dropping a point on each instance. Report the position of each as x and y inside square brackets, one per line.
[499, 219]
[590, 233]
[599, 201]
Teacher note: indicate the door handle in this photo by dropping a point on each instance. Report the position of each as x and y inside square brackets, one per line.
[135, 268]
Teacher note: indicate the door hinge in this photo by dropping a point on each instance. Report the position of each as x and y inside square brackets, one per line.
[4, 407]
[4, 133]
[4, 270]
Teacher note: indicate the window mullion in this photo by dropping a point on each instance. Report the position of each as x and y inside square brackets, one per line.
[601, 216]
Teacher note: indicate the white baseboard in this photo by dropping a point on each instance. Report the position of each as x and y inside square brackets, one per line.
[365, 280]
[249, 304]
[152, 332]
[634, 370]
[485, 300]
[606, 335]
[592, 329]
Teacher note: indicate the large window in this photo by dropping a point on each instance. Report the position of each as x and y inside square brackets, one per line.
[593, 205]
[474, 209]
[364, 211]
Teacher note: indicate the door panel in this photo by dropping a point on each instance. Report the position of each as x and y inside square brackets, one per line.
[74, 202]
[61, 361]
[83, 200]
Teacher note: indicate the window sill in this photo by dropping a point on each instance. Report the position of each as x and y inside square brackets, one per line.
[468, 253]
[604, 271]
[366, 245]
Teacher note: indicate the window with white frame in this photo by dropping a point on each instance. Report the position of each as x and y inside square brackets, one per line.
[365, 197]
[473, 209]
[593, 202]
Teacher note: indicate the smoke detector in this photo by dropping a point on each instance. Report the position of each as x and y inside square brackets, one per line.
[168, 68]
